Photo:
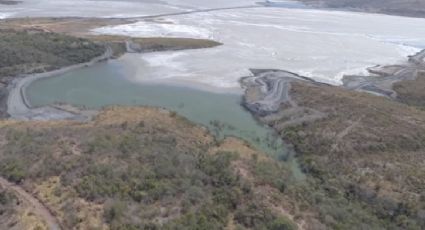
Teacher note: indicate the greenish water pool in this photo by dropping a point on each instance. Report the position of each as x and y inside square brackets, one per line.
[106, 84]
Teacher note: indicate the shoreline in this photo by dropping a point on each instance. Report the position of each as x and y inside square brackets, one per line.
[268, 89]
[18, 106]
[381, 78]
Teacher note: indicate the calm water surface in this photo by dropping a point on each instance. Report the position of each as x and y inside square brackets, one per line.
[106, 84]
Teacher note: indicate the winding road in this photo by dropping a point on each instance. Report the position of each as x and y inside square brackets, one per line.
[267, 90]
[273, 87]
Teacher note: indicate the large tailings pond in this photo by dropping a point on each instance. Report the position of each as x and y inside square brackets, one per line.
[107, 84]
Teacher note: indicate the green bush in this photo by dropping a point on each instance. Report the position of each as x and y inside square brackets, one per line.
[13, 170]
[141, 176]
[25, 52]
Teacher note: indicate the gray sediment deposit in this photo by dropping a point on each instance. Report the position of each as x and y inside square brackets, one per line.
[268, 89]
[381, 79]
[268, 92]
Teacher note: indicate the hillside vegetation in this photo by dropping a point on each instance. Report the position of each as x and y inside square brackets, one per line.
[120, 44]
[33, 51]
[145, 168]
[364, 158]
[24, 52]
[16, 213]
[28, 48]
[412, 92]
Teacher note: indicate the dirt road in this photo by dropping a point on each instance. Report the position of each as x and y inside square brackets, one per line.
[37, 207]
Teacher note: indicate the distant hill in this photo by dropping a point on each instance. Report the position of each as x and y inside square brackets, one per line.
[9, 2]
[411, 8]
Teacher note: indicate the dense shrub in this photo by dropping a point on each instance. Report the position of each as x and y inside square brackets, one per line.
[33, 51]
[144, 176]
